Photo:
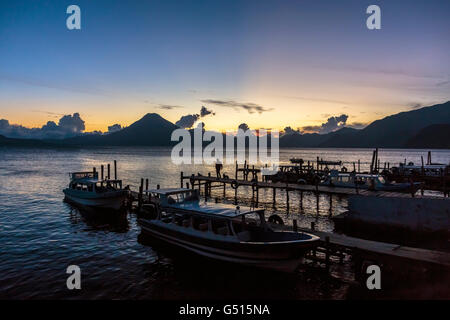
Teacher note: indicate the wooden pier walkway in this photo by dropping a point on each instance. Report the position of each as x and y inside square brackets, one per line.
[296, 187]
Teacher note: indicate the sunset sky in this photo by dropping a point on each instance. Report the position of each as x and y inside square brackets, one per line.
[270, 64]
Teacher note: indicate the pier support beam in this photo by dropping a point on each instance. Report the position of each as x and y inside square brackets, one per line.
[274, 196]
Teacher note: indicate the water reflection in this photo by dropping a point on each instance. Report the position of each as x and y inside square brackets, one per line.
[98, 220]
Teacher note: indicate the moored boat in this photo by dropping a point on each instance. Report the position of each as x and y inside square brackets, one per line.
[222, 232]
[85, 189]
[367, 181]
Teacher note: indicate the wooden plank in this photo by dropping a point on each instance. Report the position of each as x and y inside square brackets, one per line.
[394, 250]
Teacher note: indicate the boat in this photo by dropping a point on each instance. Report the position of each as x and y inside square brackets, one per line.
[369, 181]
[85, 189]
[222, 232]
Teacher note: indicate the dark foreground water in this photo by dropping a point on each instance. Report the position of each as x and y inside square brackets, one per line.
[40, 235]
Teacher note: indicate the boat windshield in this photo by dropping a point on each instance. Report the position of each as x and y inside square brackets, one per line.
[182, 197]
[381, 180]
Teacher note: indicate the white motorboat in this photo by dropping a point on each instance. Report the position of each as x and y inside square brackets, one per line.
[85, 189]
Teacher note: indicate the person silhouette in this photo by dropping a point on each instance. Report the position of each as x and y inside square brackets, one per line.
[219, 167]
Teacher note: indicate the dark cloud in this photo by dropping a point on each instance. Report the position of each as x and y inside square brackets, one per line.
[72, 123]
[332, 124]
[250, 107]
[204, 112]
[243, 126]
[289, 130]
[114, 128]
[68, 126]
[187, 121]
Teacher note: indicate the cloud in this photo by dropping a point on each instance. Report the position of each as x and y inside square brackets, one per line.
[442, 83]
[249, 107]
[204, 112]
[72, 123]
[53, 85]
[289, 130]
[168, 107]
[187, 121]
[357, 125]
[332, 124]
[114, 128]
[243, 126]
[317, 99]
[68, 126]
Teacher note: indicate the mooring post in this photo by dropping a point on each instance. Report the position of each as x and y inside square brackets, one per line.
[187, 185]
[115, 169]
[294, 225]
[327, 253]
[274, 196]
[236, 171]
[181, 179]
[287, 198]
[224, 187]
[158, 186]
[235, 195]
[101, 172]
[313, 227]
[317, 202]
[146, 184]
[109, 171]
[301, 201]
[206, 191]
[140, 197]
[257, 196]
[331, 203]
[359, 165]
[94, 171]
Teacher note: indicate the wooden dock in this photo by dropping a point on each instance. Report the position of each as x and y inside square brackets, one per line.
[208, 182]
[395, 260]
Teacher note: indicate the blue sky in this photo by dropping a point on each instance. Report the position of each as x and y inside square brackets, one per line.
[301, 61]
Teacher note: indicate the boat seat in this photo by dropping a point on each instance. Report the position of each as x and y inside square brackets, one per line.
[203, 227]
[186, 223]
[223, 231]
[244, 236]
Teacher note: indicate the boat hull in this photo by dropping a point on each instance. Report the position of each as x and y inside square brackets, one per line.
[281, 256]
[398, 187]
[113, 200]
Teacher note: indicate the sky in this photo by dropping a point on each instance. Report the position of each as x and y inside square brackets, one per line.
[269, 64]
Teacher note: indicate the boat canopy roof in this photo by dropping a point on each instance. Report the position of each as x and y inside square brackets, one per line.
[90, 180]
[426, 167]
[218, 210]
[335, 173]
[168, 191]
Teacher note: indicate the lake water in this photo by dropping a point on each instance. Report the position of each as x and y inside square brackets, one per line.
[40, 235]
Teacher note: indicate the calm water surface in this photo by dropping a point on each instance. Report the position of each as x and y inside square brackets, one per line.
[40, 235]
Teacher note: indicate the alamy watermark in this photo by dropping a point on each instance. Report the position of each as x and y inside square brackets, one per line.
[250, 146]
[74, 280]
